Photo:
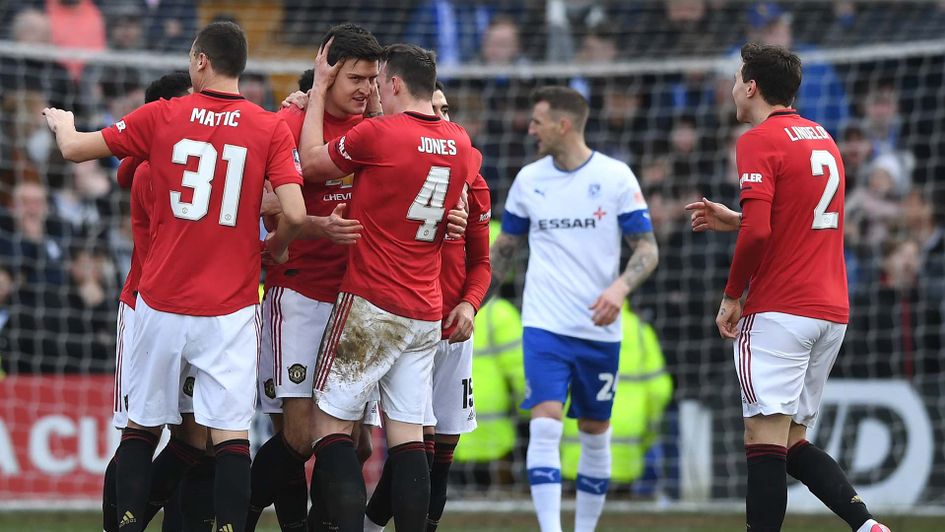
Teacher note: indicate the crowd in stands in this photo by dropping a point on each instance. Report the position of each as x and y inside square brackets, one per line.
[64, 230]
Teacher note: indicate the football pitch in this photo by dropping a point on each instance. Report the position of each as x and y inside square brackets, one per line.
[510, 522]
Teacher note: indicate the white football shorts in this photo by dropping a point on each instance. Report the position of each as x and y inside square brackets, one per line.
[124, 334]
[367, 353]
[223, 352]
[450, 407]
[293, 326]
[782, 362]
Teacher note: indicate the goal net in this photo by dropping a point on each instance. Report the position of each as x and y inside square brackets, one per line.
[658, 76]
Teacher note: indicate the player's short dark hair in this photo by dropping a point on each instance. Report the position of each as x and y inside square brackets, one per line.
[224, 44]
[776, 71]
[306, 80]
[414, 65]
[564, 100]
[351, 42]
[439, 87]
[167, 86]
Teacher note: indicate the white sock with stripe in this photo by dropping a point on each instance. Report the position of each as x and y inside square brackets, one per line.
[593, 479]
[543, 461]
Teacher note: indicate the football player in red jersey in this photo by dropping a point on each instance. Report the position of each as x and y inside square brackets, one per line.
[197, 299]
[464, 279]
[408, 166]
[789, 254]
[301, 292]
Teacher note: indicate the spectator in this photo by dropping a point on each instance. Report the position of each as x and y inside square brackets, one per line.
[924, 221]
[872, 209]
[32, 27]
[35, 256]
[126, 27]
[599, 46]
[857, 153]
[256, 88]
[453, 29]
[24, 144]
[83, 204]
[567, 19]
[882, 121]
[68, 16]
[822, 96]
[90, 324]
[501, 45]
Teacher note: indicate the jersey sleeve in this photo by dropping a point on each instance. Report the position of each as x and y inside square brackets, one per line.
[515, 218]
[284, 166]
[754, 156]
[131, 136]
[127, 170]
[633, 215]
[478, 269]
[354, 149]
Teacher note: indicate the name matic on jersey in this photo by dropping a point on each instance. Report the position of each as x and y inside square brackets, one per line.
[437, 146]
[567, 223]
[210, 118]
[806, 133]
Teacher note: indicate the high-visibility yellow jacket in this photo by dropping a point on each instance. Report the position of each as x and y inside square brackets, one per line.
[498, 382]
[643, 390]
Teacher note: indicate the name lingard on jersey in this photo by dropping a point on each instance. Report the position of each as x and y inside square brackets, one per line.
[437, 146]
[214, 119]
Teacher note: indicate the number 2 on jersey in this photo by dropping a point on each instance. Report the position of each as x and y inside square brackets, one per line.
[818, 160]
[235, 157]
[428, 207]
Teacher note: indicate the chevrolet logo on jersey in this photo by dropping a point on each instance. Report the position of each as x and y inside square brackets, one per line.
[566, 223]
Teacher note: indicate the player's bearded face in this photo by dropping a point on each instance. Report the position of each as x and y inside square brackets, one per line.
[351, 89]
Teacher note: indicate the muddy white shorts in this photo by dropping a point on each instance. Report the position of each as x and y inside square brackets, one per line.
[450, 408]
[370, 353]
[293, 326]
[223, 352]
[783, 361]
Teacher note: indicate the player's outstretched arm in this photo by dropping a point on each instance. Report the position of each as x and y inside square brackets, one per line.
[711, 216]
[501, 258]
[642, 262]
[75, 146]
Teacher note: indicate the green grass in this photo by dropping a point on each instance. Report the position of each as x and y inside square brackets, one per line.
[483, 522]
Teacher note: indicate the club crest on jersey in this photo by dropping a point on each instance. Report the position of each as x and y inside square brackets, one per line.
[121, 125]
[297, 373]
[749, 177]
[189, 386]
[593, 190]
[270, 388]
[297, 160]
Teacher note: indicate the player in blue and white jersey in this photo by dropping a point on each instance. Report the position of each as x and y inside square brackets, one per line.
[573, 204]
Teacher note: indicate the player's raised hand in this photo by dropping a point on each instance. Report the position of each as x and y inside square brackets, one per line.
[462, 316]
[711, 216]
[730, 311]
[56, 118]
[297, 98]
[324, 73]
[341, 230]
[607, 307]
[456, 219]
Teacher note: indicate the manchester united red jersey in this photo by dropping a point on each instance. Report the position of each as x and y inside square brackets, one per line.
[315, 267]
[209, 154]
[141, 202]
[409, 170]
[794, 164]
[465, 273]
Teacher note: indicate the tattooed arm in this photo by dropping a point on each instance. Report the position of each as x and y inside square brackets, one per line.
[641, 264]
[501, 258]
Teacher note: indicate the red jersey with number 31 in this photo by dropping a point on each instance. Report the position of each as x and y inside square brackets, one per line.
[315, 267]
[209, 154]
[409, 170]
[794, 164]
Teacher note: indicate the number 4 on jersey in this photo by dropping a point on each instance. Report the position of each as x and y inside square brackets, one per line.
[428, 207]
